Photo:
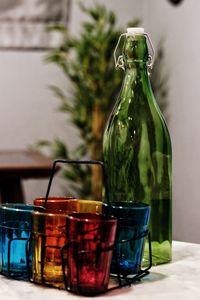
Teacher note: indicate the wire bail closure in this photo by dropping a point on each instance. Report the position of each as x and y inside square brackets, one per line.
[119, 61]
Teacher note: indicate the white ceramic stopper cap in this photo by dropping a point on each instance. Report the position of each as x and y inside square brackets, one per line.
[135, 30]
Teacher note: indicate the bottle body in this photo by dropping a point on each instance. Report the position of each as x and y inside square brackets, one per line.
[137, 156]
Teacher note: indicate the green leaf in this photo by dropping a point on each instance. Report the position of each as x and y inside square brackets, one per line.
[64, 106]
[42, 143]
[60, 27]
[59, 149]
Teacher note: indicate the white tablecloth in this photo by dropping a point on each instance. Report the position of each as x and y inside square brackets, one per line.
[179, 280]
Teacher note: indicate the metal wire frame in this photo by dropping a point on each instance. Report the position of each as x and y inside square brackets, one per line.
[79, 162]
[123, 280]
[128, 278]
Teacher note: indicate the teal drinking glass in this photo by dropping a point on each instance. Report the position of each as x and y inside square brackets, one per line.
[15, 232]
[132, 229]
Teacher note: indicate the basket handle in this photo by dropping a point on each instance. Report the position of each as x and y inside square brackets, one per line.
[80, 162]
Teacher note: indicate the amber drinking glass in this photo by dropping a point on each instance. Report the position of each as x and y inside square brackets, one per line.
[48, 237]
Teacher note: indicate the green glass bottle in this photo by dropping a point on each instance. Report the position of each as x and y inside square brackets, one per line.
[137, 147]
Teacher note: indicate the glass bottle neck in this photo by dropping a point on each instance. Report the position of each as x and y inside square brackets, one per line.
[136, 84]
[136, 80]
[135, 53]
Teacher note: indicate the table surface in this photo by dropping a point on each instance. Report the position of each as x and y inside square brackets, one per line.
[23, 164]
[178, 280]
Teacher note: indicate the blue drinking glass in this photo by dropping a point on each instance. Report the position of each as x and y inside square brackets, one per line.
[15, 232]
[133, 219]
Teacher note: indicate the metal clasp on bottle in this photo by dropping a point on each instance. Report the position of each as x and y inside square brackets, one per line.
[119, 61]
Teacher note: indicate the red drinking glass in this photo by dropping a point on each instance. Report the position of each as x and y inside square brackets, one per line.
[90, 239]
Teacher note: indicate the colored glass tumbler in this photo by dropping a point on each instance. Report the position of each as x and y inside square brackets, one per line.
[49, 236]
[69, 205]
[132, 228]
[88, 206]
[91, 240]
[56, 203]
[15, 232]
